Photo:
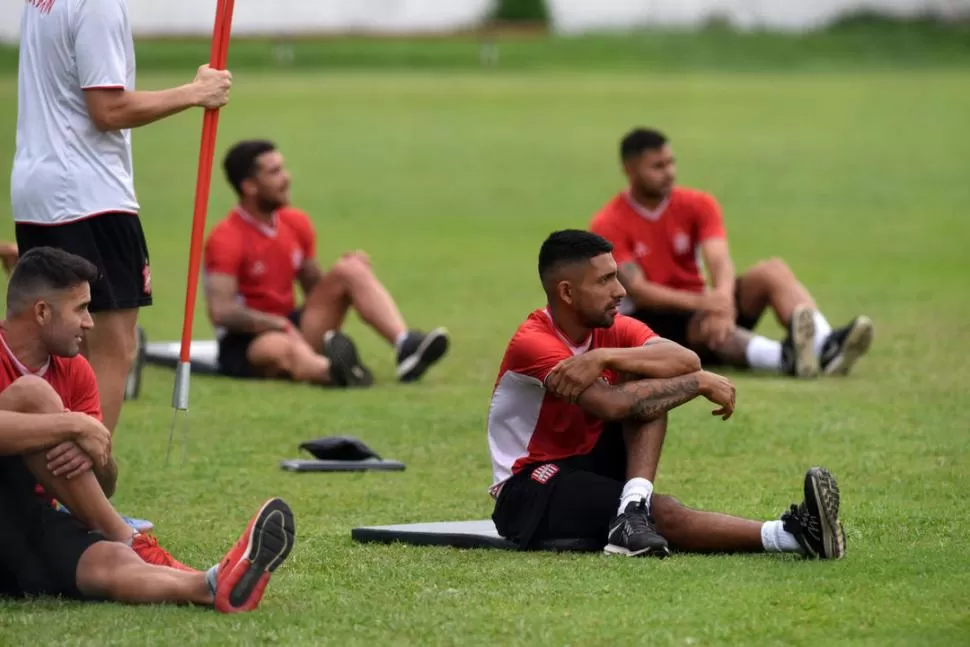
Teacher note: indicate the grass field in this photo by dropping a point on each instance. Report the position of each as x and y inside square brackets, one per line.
[450, 180]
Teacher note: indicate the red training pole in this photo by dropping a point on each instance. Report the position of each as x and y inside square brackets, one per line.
[210, 123]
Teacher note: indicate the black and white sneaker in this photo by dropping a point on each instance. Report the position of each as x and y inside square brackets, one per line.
[633, 533]
[845, 346]
[133, 379]
[346, 369]
[815, 523]
[419, 351]
[798, 357]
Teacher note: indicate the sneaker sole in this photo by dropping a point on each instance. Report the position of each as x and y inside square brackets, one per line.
[430, 350]
[660, 553]
[270, 543]
[825, 491]
[803, 343]
[343, 356]
[856, 344]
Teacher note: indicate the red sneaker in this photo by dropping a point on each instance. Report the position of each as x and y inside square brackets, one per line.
[151, 553]
[245, 570]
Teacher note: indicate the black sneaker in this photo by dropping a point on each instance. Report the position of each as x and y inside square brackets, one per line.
[419, 351]
[346, 369]
[133, 379]
[845, 346]
[633, 533]
[797, 351]
[815, 523]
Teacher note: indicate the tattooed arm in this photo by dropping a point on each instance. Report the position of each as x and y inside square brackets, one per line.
[226, 312]
[647, 399]
[657, 358]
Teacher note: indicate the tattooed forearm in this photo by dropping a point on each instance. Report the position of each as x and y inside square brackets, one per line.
[242, 319]
[647, 399]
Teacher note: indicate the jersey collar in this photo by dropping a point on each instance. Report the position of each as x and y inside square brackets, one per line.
[269, 230]
[23, 370]
[649, 214]
[576, 350]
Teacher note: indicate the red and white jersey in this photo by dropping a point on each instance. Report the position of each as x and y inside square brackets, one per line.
[526, 424]
[265, 259]
[64, 168]
[72, 378]
[664, 242]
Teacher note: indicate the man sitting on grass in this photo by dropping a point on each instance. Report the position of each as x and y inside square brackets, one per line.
[51, 436]
[252, 259]
[578, 418]
[660, 231]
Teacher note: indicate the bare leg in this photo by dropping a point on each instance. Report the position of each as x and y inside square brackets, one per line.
[110, 348]
[772, 283]
[350, 283]
[112, 571]
[695, 531]
[278, 354]
[644, 441]
[83, 494]
[732, 351]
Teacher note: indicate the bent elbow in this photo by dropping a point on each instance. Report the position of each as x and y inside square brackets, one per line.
[691, 361]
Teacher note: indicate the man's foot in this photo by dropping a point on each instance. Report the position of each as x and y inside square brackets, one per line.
[419, 351]
[845, 346]
[346, 369]
[244, 572]
[797, 351]
[146, 547]
[133, 380]
[815, 523]
[633, 533]
[141, 525]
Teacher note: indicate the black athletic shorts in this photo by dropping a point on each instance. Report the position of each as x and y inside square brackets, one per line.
[234, 345]
[572, 498]
[673, 324]
[114, 242]
[39, 547]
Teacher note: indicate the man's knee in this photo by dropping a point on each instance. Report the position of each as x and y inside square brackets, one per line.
[31, 394]
[115, 333]
[773, 268]
[352, 268]
[99, 567]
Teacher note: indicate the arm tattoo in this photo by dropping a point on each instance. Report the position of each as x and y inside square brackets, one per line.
[629, 271]
[647, 399]
[243, 319]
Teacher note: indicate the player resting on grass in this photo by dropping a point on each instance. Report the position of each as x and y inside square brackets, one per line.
[578, 418]
[51, 438]
[659, 231]
[252, 258]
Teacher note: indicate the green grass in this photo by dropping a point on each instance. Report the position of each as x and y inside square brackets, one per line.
[450, 181]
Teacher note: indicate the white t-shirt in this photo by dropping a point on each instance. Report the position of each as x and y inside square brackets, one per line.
[64, 168]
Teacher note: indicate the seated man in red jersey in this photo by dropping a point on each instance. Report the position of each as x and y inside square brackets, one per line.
[51, 438]
[658, 230]
[578, 418]
[252, 259]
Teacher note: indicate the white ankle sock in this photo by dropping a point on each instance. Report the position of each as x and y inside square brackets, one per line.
[763, 353]
[400, 340]
[822, 331]
[634, 490]
[776, 539]
[210, 578]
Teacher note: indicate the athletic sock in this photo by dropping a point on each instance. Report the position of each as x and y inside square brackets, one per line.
[210, 578]
[400, 340]
[822, 331]
[635, 490]
[763, 353]
[776, 539]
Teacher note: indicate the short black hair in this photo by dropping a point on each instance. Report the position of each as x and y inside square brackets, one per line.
[638, 140]
[42, 270]
[240, 160]
[569, 246]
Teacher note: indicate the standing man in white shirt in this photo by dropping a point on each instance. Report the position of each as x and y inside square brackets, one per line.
[72, 184]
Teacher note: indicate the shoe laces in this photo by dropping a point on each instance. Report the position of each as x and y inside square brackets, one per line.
[638, 520]
[808, 521]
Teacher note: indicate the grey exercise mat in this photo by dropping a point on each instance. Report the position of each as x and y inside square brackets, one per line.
[203, 355]
[461, 534]
[315, 465]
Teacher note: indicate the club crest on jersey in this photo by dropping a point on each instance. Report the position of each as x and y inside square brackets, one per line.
[258, 269]
[543, 473]
[640, 249]
[146, 277]
[681, 243]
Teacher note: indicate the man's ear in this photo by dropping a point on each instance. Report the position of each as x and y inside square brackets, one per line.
[565, 290]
